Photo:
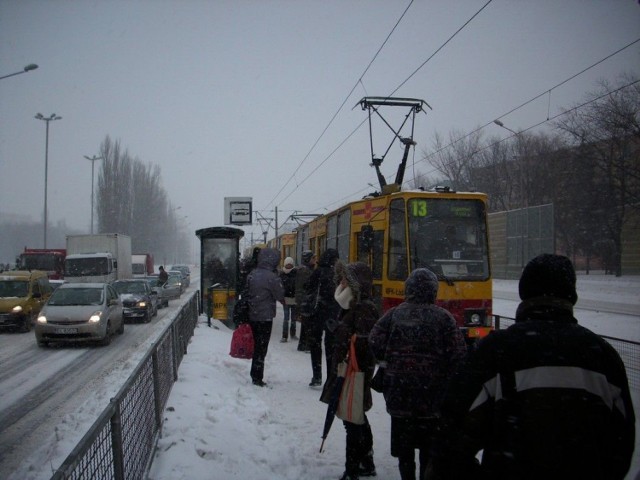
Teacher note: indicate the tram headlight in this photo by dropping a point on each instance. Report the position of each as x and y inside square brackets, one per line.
[475, 316]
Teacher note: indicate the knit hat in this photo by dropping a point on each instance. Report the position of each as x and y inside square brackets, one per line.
[287, 261]
[549, 275]
[307, 255]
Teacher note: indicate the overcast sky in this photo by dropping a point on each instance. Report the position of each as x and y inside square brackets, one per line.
[229, 97]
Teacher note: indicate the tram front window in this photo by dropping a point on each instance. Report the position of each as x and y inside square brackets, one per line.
[449, 237]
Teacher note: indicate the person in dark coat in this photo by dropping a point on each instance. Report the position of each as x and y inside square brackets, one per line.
[421, 346]
[357, 317]
[290, 311]
[324, 318]
[303, 272]
[264, 289]
[163, 276]
[545, 398]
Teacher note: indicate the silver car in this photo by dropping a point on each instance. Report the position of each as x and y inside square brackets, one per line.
[163, 297]
[175, 278]
[80, 312]
[186, 274]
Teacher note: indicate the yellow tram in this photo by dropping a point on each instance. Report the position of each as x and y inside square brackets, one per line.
[396, 231]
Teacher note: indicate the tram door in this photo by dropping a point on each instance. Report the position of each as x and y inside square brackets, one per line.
[220, 272]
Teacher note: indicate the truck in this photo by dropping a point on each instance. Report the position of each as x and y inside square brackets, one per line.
[50, 260]
[142, 264]
[103, 258]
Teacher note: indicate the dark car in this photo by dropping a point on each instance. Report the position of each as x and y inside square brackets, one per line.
[139, 302]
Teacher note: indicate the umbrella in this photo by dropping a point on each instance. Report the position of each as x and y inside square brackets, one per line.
[332, 400]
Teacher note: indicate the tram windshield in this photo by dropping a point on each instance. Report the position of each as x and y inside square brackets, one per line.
[447, 236]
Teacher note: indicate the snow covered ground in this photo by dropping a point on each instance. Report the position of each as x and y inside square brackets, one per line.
[218, 425]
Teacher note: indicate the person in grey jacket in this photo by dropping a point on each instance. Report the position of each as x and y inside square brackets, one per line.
[265, 289]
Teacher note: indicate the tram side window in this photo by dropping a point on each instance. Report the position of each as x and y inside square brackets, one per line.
[398, 266]
[343, 234]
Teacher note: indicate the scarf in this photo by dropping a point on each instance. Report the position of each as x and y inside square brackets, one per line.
[343, 296]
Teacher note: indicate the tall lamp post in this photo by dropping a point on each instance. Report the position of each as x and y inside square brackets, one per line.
[28, 68]
[48, 119]
[93, 161]
[524, 200]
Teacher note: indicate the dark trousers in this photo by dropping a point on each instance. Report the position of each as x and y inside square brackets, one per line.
[359, 445]
[408, 435]
[261, 336]
[303, 343]
[315, 329]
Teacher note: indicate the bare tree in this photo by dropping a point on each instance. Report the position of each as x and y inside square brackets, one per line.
[114, 195]
[605, 130]
[456, 158]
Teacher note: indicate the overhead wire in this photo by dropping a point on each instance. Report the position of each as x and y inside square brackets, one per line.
[548, 119]
[536, 97]
[546, 92]
[393, 91]
[359, 81]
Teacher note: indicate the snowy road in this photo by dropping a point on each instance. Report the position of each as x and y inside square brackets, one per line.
[42, 388]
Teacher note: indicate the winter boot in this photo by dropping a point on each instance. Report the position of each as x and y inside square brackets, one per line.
[315, 382]
[367, 467]
[346, 476]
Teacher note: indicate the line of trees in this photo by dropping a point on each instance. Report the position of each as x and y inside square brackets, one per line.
[588, 167]
[130, 199]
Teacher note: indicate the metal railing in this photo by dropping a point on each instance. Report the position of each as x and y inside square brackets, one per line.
[121, 443]
[628, 350]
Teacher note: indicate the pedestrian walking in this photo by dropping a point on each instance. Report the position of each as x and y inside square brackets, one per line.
[323, 318]
[290, 310]
[357, 317]
[265, 289]
[545, 398]
[421, 346]
[303, 272]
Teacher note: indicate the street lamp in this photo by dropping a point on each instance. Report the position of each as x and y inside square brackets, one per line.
[52, 117]
[93, 161]
[28, 68]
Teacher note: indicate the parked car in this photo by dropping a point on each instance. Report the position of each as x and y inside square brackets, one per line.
[80, 312]
[163, 296]
[22, 295]
[139, 302]
[186, 274]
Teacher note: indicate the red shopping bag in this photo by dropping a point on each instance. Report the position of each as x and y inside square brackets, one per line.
[242, 342]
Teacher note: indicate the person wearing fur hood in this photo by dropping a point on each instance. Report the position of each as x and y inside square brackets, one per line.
[357, 317]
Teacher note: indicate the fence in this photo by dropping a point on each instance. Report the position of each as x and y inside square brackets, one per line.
[120, 444]
[628, 350]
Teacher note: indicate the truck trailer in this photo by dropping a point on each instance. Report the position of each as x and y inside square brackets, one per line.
[50, 260]
[142, 264]
[103, 257]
